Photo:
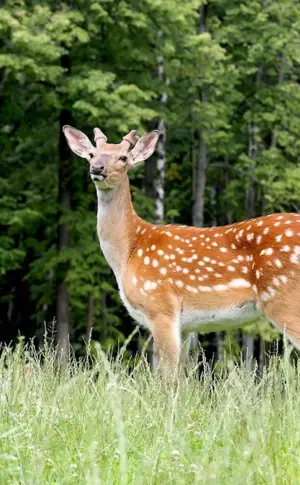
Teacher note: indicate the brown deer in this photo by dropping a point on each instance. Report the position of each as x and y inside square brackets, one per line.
[175, 279]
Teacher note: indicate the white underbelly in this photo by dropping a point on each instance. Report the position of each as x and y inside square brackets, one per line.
[205, 321]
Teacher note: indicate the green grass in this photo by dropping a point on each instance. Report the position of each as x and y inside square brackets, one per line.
[105, 425]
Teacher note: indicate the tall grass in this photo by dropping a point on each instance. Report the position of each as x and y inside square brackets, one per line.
[101, 424]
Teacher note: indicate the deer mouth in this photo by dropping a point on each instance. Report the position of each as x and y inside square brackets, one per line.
[98, 178]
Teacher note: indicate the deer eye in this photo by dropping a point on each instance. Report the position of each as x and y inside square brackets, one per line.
[91, 155]
[123, 159]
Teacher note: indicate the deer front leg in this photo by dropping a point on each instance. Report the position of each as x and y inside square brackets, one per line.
[166, 335]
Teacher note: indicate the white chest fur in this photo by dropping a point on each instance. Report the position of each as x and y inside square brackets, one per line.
[133, 312]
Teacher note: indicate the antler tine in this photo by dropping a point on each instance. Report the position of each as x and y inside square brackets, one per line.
[99, 137]
[131, 138]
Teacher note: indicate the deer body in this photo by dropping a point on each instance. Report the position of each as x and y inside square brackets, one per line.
[176, 279]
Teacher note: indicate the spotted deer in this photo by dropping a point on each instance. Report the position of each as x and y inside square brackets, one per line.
[176, 279]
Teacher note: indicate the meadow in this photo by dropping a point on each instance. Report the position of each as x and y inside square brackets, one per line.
[102, 422]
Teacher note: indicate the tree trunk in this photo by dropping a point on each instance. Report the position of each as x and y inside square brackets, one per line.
[63, 235]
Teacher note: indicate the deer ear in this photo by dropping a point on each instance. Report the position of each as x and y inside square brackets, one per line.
[144, 147]
[78, 142]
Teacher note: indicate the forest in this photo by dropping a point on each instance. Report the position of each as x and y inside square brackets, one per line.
[218, 78]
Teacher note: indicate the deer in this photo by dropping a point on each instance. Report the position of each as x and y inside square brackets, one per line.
[175, 279]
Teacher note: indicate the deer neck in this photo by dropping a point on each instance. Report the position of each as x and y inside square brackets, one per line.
[116, 225]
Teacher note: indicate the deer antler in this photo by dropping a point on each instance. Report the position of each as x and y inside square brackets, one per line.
[99, 137]
[131, 138]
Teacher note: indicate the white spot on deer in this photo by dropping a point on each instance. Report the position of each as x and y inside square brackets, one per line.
[209, 269]
[258, 239]
[168, 234]
[220, 287]
[160, 252]
[178, 268]
[269, 251]
[140, 252]
[260, 223]
[185, 270]
[207, 239]
[288, 222]
[146, 260]
[179, 283]
[134, 280]
[155, 263]
[218, 275]
[154, 285]
[191, 289]
[170, 280]
[215, 244]
[231, 268]
[178, 238]
[147, 285]
[289, 233]
[278, 238]
[257, 274]
[283, 278]
[276, 282]
[294, 259]
[223, 250]
[192, 276]
[172, 256]
[239, 283]
[138, 229]
[266, 230]
[276, 224]
[233, 246]
[244, 269]
[194, 256]
[204, 288]
[194, 238]
[153, 247]
[285, 249]
[206, 259]
[163, 271]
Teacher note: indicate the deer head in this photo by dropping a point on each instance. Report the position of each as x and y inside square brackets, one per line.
[109, 163]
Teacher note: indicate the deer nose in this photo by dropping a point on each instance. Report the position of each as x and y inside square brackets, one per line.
[97, 170]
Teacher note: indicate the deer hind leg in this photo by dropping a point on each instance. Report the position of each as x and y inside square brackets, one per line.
[282, 309]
